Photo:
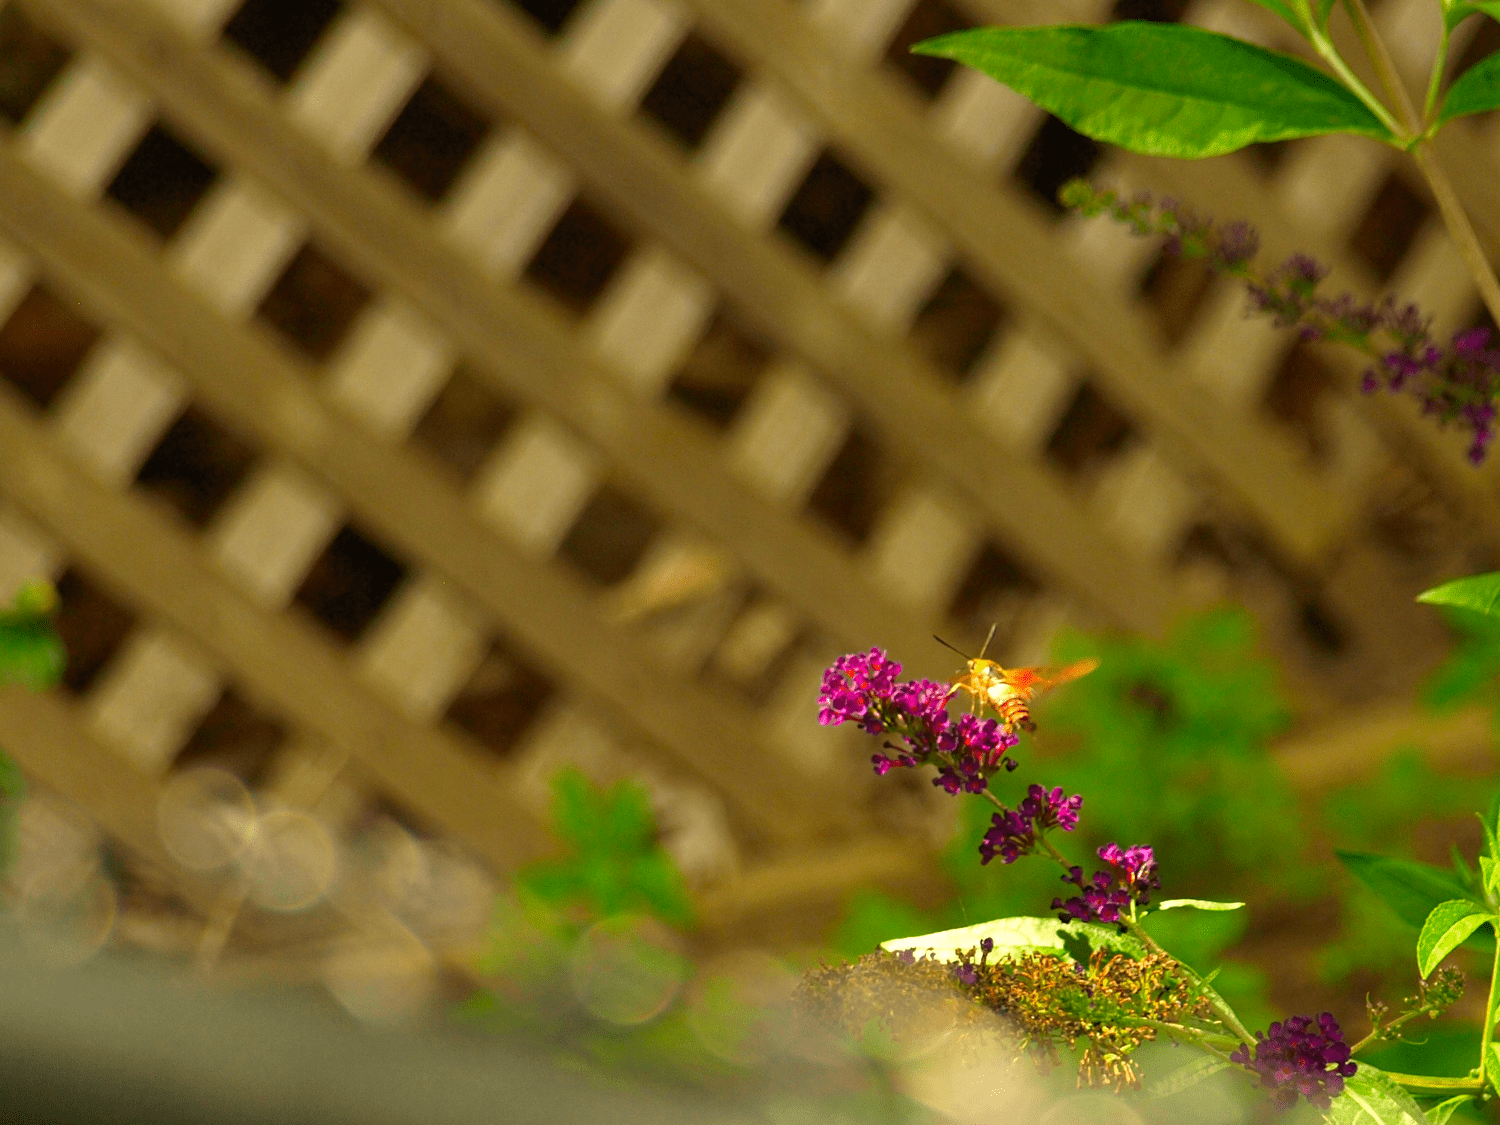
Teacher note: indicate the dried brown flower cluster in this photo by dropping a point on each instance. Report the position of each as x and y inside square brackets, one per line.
[1046, 1000]
[1057, 1000]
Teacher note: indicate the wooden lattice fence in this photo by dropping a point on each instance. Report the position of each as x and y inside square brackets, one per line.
[410, 396]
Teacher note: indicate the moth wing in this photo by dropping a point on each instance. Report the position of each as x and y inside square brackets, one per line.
[1031, 680]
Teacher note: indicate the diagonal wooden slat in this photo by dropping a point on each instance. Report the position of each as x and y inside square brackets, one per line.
[152, 563]
[258, 388]
[523, 346]
[881, 127]
[905, 397]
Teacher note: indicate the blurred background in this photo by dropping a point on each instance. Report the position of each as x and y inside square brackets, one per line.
[460, 434]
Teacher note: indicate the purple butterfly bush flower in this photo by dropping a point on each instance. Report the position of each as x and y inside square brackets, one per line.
[1130, 879]
[862, 688]
[1015, 833]
[1458, 383]
[1301, 1057]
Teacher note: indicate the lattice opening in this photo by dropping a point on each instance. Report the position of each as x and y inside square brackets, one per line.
[463, 424]
[609, 539]
[279, 34]
[551, 14]
[579, 256]
[501, 700]
[195, 466]
[1157, 11]
[1090, 435]
[313, 303]
[1293, 396]
[856, 486]
[826, 207]
[1175, 288]
[1321, 629]
[1267, 157]
[759, 647]
[1055, 155]
[162, 181]
[92, 626]
[927, 19]
[956, 325]
[717, 376]
[1386, 232]
[29, 61]
[42, 344]
[350, 584]
[995, 591]
[431, 139]
[691, 90]
[235, 736]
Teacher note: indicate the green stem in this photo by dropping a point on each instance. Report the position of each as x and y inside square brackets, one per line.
[1489, 1018]
[1380, 1034]
[1436, 80]
[1328, 54]
[1385, 66]
[1423, 1084]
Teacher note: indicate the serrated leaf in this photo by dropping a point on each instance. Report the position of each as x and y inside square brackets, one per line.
[1476, 90]
[1408, 887]
[1198, 904]
[1015, 936]
[1447, 927]
[1439, 1114]
[1478, 592]
[1161, 89]
[1371, 1097]
[1185, 1077]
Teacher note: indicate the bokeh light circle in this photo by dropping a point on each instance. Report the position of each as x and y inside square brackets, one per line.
[292, 862]
[627, 969]
[385, 977]
[738, 1005]
[205, 818]
[65, 922]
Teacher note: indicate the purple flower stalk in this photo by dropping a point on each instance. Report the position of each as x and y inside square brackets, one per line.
[1297, 1057]
[862, 688]
[1130, 879]
[1014, 834]
[1458, 383]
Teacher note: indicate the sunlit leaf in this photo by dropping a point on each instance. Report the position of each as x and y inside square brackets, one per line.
[1014, 936]
[1456, 13]
[1439, 1114]
[1446, 928]
[1371, 1097]
[1474, 91]
[1479, 592]
[1186, 1077]
[1409, 888]
[1161, 89]
[1198, 904]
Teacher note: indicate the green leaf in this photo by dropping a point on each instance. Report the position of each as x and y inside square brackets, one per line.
[1447, 927]
[1409, 888]
[1198, 904]
[1185, 1077]
[1439, 1114]
[1325, 8]
[1479, 592]
[1492, 1063]
[1286, 12]
[1474, 91]
[1491, 869]
[1161, 89]
[1371, 1097]
[1465, 873]
[31, 654]
[1456, 13]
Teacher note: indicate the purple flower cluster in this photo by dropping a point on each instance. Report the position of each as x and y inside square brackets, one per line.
[1014, 834]
[1459, 383]
[862, 688]
[1297, 1057]
[1131, 878]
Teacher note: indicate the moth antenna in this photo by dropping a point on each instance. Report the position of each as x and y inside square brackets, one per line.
[987, 640]
[945, 644]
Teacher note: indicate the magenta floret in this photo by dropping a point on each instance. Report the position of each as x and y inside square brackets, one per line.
[1300, 1057]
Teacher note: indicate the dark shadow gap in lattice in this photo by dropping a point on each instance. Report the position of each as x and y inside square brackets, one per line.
[162, 181]
[91, 625]
[195, 466]
[29, 61]
[313, 303]
[349, 584]
[43, 343]
[716, 378]
[691, 90]
[826, 207]
[432, 139]
[501, 700]
[279, 34]
[464, 424]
